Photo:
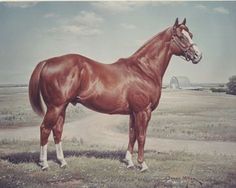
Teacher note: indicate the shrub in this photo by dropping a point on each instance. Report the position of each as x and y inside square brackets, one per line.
[231, 85]
[218, 90]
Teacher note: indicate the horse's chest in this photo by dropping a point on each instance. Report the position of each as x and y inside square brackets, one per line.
[141, 95]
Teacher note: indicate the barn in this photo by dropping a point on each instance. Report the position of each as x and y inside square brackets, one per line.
[180, 82]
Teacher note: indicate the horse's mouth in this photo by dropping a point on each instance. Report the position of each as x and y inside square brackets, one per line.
[194, 56]
[197, 58]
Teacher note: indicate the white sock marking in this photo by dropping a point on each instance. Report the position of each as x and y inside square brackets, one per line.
[144, 166]
[60, 155]
[43, 153]
[128, 157]
[59, 151]
[43, 157]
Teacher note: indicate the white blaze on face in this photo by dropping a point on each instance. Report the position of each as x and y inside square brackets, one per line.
[186, 34]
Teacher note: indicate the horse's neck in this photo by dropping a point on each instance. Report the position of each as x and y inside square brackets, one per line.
[153, 58]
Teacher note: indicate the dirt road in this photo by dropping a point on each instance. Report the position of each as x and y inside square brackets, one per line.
[98, 129]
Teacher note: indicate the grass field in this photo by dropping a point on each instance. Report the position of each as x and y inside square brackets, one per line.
[193, 115]
[186, 115]
[98, 166]
[15, 109]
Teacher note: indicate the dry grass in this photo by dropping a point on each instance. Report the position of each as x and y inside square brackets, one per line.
[181, 115]
[15, 109]
[193, 115]
[92, 166]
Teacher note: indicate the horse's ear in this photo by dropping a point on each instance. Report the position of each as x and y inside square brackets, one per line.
[176, 22]
[184, 21]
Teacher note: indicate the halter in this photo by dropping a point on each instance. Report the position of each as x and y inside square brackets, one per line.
[184, 47]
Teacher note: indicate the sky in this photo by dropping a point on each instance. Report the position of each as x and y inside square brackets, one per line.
[106, 31]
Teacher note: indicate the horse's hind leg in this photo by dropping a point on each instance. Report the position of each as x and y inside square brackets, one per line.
[50, 119]
[132, 139]
[57, 134]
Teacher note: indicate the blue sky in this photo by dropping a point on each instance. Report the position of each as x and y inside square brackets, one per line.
[106, 31]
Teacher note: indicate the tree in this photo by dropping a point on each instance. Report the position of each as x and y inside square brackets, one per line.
[232, 85]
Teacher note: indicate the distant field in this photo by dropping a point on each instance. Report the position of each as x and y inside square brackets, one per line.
[15, 109]
[194, 115]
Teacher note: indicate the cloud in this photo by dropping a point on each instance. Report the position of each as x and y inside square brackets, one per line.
[50, 15]
[117, 6]
[88, 18]
[20, 4]
[127, 26]
[202, 7]
[86, 23]
[112, 6]
[76, 30]
[221, 10]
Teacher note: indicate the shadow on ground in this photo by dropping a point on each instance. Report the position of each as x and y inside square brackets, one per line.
[33, 157]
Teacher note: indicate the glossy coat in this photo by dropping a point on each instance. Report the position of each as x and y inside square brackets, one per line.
[129, 86]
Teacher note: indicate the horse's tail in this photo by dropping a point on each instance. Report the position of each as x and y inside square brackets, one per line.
[34, 90]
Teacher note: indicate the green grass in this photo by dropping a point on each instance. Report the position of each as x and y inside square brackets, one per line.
[99, 166]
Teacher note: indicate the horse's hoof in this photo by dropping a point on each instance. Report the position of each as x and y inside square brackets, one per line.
[144, 167]
[63, 164]
[44, 165]
[130, 166]
[45, 168]
[129, 163]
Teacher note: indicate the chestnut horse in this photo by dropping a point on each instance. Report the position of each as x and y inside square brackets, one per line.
[130, 86]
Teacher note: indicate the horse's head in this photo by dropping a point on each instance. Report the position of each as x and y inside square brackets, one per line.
[182, 43]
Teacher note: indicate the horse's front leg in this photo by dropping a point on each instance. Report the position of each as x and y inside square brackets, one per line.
[132, 139]
[141, 121]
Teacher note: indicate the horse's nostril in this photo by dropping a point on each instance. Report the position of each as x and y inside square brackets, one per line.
[198, 54]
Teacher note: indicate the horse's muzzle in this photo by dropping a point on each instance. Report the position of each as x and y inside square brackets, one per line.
[197, 57]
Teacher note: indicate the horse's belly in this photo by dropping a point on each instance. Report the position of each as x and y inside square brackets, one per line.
[106, 104]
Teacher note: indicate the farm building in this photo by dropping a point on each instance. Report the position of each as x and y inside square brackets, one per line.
[180, 82]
